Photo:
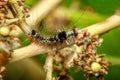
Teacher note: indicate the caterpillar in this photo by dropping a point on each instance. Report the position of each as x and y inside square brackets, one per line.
[59, 37]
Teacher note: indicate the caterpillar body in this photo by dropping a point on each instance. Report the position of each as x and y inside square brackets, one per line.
[60, 37]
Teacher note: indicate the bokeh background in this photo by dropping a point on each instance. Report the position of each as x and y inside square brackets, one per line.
[82, 13]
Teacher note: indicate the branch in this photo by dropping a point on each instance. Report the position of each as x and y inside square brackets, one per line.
[34, 49]
[105, 26]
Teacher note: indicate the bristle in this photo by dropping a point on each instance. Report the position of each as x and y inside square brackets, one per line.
[58, 38]
[33, 32]
[62, 36]
[75, 31]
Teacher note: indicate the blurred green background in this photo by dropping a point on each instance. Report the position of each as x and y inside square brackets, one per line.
[88, 12]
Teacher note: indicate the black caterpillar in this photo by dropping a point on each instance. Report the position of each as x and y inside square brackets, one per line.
[60, 37]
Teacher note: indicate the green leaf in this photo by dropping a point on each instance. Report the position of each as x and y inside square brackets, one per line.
[103, 6]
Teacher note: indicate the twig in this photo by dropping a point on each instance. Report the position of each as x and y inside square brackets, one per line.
[9, 21]
[49, 66]
[99, 28]
[105, 26]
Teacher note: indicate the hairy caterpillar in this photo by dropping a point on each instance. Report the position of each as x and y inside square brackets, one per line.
[60, 37]
[56, 21]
